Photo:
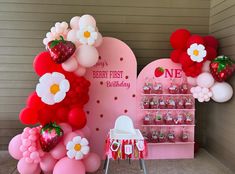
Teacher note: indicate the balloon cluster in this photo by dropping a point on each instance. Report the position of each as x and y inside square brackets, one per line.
[204, 70]
[83, 35]
[205, 87]
[61, 143]
[39, 109]
[191, 51]
[26, 148]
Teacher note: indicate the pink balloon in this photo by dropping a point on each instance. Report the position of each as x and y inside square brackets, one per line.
[73, 38]
[206, 66]
[14, 147]
[192, 81]
[59, 151]
[27, 168]
[99, 40]
[86, 20]
[70, 166]
[79, 133]
[47, 163]
[81, 71]
[92, 162]
[70, 65]
[86, 131]
[74, 22]
[66, 127]
[87, 56]
[69, 137]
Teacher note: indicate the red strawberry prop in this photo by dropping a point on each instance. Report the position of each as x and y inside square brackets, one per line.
[159, 71]
[222, 67]
[50, 136]
[61, 50]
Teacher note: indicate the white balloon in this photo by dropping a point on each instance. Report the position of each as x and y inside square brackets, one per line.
[74, 22]
[87, 20]
[221, 92]
[205, 80]
[206, 66]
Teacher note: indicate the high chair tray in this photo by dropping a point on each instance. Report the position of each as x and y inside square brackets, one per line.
[121, 135]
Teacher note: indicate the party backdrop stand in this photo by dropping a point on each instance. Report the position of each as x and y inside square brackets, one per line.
[165, 111]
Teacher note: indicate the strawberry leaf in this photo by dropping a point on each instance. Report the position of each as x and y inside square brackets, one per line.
[54, 43]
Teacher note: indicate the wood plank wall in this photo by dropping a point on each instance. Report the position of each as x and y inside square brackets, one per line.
[220, 118]
[144, 25]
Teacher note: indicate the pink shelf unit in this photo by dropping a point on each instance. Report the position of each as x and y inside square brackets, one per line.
[166, 116]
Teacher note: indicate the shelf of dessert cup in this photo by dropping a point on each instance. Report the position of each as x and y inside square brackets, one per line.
[168, 109]
[171, 143]
[168, 125]
[165, 94]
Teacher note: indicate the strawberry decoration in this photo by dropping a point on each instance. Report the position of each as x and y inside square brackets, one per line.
[61, 50]
[159, 71]
[50, 136]
[222, 67]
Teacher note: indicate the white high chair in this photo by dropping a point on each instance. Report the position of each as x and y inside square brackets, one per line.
[124, 130]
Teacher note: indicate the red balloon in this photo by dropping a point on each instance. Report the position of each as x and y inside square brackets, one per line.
[195, 39]
[175, 55]
[185, 60]
[46, 116]
[211, 41]
[43, 63]
[28, 116]
[211, 53]
[179, 38]
[62, 114]
[77, 118]
[34, 101]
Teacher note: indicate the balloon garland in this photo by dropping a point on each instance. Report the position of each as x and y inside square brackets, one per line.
[61, 143]
[205, 71]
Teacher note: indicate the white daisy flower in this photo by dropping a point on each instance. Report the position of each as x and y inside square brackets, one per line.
[77, 148]
[87, 35]
[52, 88]
[197, 52]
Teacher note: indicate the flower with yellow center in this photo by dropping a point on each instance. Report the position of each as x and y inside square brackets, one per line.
[77, 148]
[197, 52]
[87, 35]
[52, 88]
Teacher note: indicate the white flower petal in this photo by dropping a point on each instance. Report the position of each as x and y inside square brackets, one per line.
[190, 51]
[203, 53]
[48, 99]
[194, 58]
[45, 78]
[71, 154]
[77, 140]
[70, 145]
[40, 90]
[58, 75]
[94, 35]
[193, 46]
[78, 156]
[64, 85]
[59, 96]
[200, 47]
[84, 142]
[90, 29]
[85, 150]
[90, 41]
[83, 40]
